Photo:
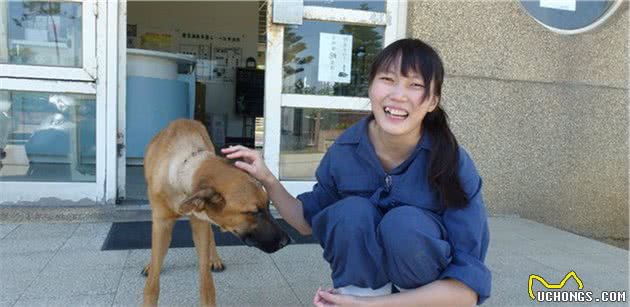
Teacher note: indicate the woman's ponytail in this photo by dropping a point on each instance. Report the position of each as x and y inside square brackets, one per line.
[444, 160]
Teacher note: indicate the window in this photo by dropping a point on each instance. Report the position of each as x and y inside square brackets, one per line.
[53, 113]
[303, 145]
[47, 137]
[301, 59]
[48, 39]
[44, 33]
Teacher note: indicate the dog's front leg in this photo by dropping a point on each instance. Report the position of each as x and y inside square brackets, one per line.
[216, 264]
[161, 232]
[201, 236]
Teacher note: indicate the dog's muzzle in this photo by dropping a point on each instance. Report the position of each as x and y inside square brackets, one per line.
[267, 244]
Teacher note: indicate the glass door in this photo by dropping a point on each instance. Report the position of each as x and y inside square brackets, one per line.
[316, 79]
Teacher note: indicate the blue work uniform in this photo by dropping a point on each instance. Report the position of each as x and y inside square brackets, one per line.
[378, 227]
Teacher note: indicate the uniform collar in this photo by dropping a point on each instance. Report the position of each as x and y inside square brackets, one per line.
[359, 134]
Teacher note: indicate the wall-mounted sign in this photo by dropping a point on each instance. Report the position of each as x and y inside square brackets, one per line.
[570, 16]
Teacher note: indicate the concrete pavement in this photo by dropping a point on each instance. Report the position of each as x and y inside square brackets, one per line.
[62, 265]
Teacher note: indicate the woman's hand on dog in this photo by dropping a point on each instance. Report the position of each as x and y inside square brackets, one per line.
[252, 162]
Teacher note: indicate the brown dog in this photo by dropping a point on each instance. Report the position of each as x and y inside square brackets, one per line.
[185, 177]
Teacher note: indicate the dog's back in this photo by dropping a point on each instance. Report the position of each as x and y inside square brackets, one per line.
[172, 157]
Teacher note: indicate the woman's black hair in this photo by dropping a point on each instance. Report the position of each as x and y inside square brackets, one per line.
[416, 56]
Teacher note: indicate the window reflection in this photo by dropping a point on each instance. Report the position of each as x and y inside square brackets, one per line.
[41, 33]
[301, 71]
[47, 137]
[306, 135]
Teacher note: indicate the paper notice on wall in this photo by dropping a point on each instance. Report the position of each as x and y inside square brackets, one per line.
[156, 41]
[565, 5]
[335, 57]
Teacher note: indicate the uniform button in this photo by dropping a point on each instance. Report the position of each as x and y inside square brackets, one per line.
[388, 182]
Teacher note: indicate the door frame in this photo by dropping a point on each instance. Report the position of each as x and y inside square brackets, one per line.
[118, 120]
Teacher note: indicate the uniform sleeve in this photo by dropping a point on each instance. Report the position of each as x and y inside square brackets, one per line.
[468, 234]
[324, 192]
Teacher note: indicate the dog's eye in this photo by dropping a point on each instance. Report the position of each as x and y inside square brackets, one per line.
[254, 213]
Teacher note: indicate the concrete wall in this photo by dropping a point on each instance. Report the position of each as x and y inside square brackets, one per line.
[545, 116]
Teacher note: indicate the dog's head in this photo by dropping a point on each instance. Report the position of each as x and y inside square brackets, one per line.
[236, 202]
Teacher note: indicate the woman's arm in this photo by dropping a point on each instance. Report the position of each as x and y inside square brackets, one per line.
[446, 292]
[288, 206]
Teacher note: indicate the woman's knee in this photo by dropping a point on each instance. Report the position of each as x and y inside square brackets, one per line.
[350, 215]
[405, 218]
[346, 231]
[403, 221]
[413, 238]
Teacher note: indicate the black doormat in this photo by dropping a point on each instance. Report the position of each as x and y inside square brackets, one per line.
[137, 235]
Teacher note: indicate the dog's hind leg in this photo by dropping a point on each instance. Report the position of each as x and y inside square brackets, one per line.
[216, 264]
[202, 234]
[161, 233]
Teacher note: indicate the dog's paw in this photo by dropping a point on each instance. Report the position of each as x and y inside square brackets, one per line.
[217, 266]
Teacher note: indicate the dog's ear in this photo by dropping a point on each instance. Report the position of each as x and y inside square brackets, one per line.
[204, 198]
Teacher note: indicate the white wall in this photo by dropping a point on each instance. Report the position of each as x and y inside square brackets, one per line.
[238, 17]
[200, 16]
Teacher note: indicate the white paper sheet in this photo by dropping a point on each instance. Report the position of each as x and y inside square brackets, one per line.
[566, 5]
[335, 58]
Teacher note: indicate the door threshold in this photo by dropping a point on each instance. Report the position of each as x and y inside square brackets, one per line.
[133, 204]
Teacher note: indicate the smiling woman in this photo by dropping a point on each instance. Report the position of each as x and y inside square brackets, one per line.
[397, 175]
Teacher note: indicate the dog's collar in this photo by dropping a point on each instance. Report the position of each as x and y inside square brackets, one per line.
[194, 154]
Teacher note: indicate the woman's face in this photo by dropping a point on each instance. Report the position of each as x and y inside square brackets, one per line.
[397, 101]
